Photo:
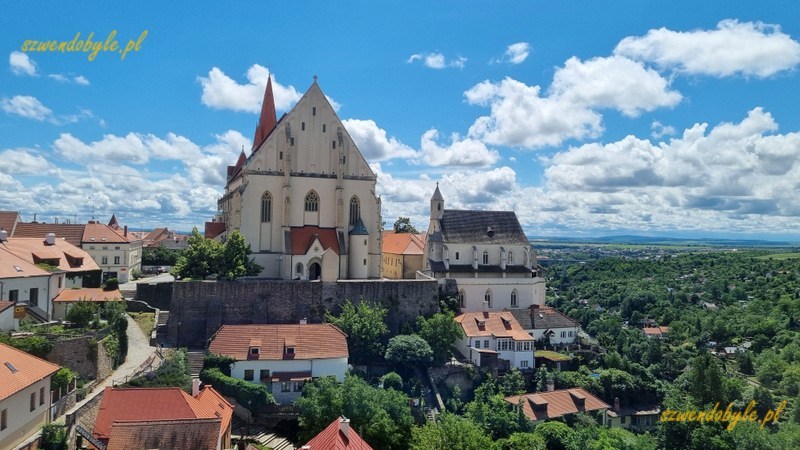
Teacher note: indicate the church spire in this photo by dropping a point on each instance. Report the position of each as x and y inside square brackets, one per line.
[268, 118]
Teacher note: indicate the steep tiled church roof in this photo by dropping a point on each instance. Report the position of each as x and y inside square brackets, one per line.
[482, 227]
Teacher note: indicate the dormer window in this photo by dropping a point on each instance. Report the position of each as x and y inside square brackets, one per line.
[290, 350]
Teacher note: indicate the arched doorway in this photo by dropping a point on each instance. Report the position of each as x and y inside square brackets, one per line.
[314, 271]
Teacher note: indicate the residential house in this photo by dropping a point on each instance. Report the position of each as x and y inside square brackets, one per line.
[7, 320]
[68, 297]
[304, 199]
[402, 255]
[163, 418]
[24, 394]
[545, 322]
[656, 332]
[114, 251]
[634, 418]
[34, 271]
[337, 436]
[491, 336]
[486, 253]
[283, 357]
[539, 406]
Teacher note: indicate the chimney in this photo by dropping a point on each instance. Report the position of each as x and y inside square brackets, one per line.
[195, 387]
[50, 239]
[126, 231]
[551, 385]
[303, 321]
[3, 235]
[485, 308]
[344, 426]
[616, 404]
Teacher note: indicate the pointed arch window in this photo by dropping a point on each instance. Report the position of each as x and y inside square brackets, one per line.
[462, 302]
[486, 257]
[312, 202]
[487, 297]
[514, 298]
[355, 211]
[510, 257]
[266, 207]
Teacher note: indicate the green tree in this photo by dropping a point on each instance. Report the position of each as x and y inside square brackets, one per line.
[556, 435]
[392, 380]
[81, 313]
[513, 383]
[235, 261]
[403, 225]
[523, 441]
[200, 259]
[365, 327]
[160, 256]
[408, 350]
[111, 284]
[705, 379]
[441, 332]
[490, 410]
[451, 432]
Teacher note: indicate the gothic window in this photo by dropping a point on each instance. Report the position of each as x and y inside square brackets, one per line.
[299, 268]
[314, 111]
[510, 257]
[514, 297]
[323, 127]
[355, 211]
[266, 207]
[487, 297]
[312, 202]
[302, 126]
[486, 257]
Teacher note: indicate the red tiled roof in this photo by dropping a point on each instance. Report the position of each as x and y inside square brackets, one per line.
[268, 118]
[303, 237]
[13, 266]
[165, 434]
[552, 404]
[310, 341]
[99, 233]
[89, 295]
[19, 370]
[497, 324]
[332, 438]
[72, 233]
[656, 331]
[7, 221]
[403, 243]
[5, 305]
[34, 250]
[214, 229]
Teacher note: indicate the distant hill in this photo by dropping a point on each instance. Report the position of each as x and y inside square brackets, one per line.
[665, 240]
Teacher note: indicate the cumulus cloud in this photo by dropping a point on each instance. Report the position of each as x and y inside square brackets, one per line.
[460, 152]
[515, 53]
[26, 106]
[437, 60]
[222, 92]
[23, 161]
[746, 48]
[22, 64]
[373, 142]
[660, 130]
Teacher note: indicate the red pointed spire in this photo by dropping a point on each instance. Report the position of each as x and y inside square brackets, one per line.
[268, 118]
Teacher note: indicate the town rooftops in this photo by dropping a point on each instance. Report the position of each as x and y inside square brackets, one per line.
[403, 243]
[13, 266]
[59, 253]
[549, 405]
[497, 324]
[303, 237]
[655, 331]
[101, 233]
[172, 433]
[88, 295]
[72, 233]
[18, 370]
[308, 341]
[157, 408]
[8, 220]
[543, 318]
[214, 229]
[337, 436]
[482, 227]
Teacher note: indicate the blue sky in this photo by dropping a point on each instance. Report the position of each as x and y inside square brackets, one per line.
[586, 118]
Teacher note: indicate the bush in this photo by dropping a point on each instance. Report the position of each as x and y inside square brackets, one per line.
[111, 284]
[408, 349]
[35, 345]
[82, 313]
[223, 363]
[54, 437]
[136, 274]
[249, 395]
[62, 378]
[392, 381]
[174, 372]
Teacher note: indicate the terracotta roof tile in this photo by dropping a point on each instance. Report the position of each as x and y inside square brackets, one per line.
[311, 341]
[34, 250]
[72, 233]
[403, 243]
[13, 266]
[19, 370]
[7, 221]
[303, 237]
[497, 324]
[332, 438]
[655, 331]
[552, 404]
[214, 229]
[198, 434]
[101, 233]
[88, 294]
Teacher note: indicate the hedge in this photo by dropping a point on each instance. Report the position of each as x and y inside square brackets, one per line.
[252, 396]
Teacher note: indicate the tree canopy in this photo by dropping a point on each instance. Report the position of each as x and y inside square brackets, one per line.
[207, 257]
[403, 225]
[366, 330]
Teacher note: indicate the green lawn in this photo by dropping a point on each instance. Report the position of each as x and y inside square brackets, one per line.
[146, 321]
[780, 256]
[552, 356]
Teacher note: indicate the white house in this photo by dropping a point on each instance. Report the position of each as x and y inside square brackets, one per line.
[24, 394]
[115, 251]
[541, 321]
[305, 197]
[283, 357]
[7, 320]
[490, 335]
[486, 253]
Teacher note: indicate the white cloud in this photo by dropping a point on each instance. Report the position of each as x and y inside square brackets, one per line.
[373, 142]
[222, 92]
[746, 48]
[460, 152]
[26, 106]
[23, 161]
[79, 79]
[516, 53]
[437, 60]
[130, 148]
[660, 130]
[21, 64]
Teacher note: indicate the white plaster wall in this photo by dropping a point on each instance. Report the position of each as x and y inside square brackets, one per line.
[530, 291]
[557, 339]
[24, 286]
[318, 367]
[7, 321]
[21, 420]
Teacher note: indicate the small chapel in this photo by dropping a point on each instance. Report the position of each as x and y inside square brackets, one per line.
[304, 198]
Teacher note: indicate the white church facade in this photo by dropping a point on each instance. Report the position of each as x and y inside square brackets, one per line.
[305, 198]
[487, 254]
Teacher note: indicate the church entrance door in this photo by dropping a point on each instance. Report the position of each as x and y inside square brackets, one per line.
[314, 271]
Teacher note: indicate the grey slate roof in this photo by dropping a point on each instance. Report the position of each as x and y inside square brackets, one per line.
[529, 318]
[359, 229]
[471, 227]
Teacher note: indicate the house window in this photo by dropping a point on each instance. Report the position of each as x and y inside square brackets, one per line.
[116, 248]
[511, 257]
[254, 351]
[60, 280]
[116, 260]
[355, 210]
[249, 374]
[563, 334]
[302, 126]
[91, 247]
[41, 396]
[333, 145]
[33, 401]
[266, 207]
[622, 419]
[290, 350]
[105, 247]
[263, 374]
[104, 260]
[571, 334]
[456, 256]
[477, 343]
[13, 295]
[485, 343]
[485, 257]
[323, 127]
[514, 297]
[34, 296]
[313, 110]
[523, 364]
[286, 386]
[298, 386]
[3, 419]
[299, 268]
[312, 202]
[487, 297]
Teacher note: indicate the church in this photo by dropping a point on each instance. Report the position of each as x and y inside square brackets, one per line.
[488, 256]
[304, 199]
